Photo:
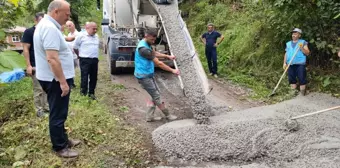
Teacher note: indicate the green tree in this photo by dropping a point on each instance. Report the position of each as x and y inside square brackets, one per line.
[79, 9]
[9, 12]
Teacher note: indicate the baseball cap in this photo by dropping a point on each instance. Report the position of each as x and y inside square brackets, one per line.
[297, 30]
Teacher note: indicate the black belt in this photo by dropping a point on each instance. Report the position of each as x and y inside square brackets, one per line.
[87, 58]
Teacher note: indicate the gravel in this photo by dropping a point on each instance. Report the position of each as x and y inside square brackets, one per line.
[193, 90]
[259, 135]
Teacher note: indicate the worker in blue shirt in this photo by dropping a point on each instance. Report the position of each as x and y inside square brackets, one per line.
[297, 69]
[145, 60]
[210, 41]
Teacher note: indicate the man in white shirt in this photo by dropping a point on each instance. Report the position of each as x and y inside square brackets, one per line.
[86, 46]
[73, 33]
[55, 72]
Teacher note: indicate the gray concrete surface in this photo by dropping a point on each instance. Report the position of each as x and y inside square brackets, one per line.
[259, 135]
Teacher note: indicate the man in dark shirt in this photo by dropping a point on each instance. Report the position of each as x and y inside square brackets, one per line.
[145, 60]
[40, 98]
[210, 41]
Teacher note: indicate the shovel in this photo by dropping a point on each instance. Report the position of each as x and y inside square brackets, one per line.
[290, 62]
[292, 124]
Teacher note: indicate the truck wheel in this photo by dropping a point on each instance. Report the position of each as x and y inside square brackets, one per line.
[115, 70]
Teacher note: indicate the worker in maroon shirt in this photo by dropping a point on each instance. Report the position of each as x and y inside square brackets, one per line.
[210, 40]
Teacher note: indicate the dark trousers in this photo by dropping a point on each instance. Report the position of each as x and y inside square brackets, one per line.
[58, 112]
[88, 70]
[150, 85]
[211, 54]
[297, 71]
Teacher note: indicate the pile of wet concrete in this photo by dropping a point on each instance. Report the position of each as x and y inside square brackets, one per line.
[259, 135]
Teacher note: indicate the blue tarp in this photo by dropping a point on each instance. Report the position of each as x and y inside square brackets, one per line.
[12, 76]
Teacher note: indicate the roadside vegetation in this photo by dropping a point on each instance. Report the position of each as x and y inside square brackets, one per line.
[255, 36]
[107, 141]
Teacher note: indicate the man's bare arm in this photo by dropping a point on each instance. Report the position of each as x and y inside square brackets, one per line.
[221, 39]
[26, 53]
[285, 58]
[54, 62]
[163, 66]
[69, 39]
[203, 40]
[305, 50]
[160, 55]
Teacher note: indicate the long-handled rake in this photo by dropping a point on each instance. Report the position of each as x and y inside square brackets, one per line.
[292, 124]
[290, 62]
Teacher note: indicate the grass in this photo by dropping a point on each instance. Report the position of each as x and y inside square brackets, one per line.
[106, 140]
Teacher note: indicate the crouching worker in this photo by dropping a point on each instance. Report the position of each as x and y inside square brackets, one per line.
[297, 69]
[145, 59]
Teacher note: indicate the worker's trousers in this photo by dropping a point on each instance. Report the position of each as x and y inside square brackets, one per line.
[88, 70]
[211, 54]
[40, 97]
[149, 84]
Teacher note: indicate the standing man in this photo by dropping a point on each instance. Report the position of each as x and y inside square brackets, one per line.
[145, 59]
[55, 72]
[40, 97]
[297, 69]
[73, 33]
[86, 46]
[210, 41]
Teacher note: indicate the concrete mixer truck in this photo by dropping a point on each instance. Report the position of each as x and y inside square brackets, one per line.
[123, 25]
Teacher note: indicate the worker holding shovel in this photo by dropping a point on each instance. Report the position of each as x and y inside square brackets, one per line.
[295, 61]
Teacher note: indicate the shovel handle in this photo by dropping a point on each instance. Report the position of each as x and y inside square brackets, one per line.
[179, 76]
[317, 112]
[175, 63]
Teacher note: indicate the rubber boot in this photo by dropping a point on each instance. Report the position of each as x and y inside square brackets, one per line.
[166, 112]
[150, 115]
[302, 92]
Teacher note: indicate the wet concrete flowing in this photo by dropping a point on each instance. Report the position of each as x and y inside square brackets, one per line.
[193, 89]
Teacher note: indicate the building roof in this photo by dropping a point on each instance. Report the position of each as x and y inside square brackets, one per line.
[16, 29]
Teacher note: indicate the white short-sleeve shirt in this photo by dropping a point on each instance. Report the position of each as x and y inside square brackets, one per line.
[87, 45]
[48, 36]
[71, 43]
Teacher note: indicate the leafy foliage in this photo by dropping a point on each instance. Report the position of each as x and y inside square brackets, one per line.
[79, 10]
[9, 12]
[10, 60]
[256, 33]
[106, 140]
